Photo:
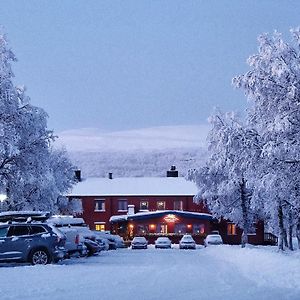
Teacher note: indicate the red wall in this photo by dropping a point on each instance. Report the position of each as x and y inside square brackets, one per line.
[111, 206]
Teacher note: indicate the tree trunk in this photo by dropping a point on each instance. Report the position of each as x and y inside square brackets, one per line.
[290, 235]
[281, 228]
[285, 238]
[244, 206]
[298, 232]
[244, 239]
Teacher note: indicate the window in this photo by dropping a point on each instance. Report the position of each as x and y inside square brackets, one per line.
[161, 205]
[18, 230]
[178, 205]
[143, 229]
[180, 228]
[198, 228]
[99, 205]
[162, 228]
[3, 232]
[99, 227]
[122, 205]
[144, 205]
[231, 229]
[35, 229]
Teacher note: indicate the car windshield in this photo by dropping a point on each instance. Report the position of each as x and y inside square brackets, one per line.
[214, 237]
[187, 238]
[139, 239]
[163, 239]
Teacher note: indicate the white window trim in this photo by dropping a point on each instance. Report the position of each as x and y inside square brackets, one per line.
[123, 210]
[100, 210]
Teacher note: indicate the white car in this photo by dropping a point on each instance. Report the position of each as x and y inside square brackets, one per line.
[139, 242]
[187, 242]
[163, 242]
[213, 239]
[76, 232]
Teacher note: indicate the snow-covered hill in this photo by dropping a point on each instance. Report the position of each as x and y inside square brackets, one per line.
[141, 152]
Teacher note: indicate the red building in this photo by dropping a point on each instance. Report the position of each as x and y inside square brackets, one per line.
[151, 207]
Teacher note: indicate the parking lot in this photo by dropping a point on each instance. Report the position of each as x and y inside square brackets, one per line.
[225, 272]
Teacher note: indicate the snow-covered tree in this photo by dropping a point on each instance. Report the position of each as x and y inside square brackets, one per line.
[223, 182]
[29, 168]
[273, 87]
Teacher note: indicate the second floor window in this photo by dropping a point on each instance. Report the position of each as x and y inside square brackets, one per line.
[122, 205]
[161, 205]
[144, 205]
[99, 205]
[178, 205]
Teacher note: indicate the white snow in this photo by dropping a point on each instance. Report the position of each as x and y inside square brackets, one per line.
[162, 137]
[220, 272]
[137, 186]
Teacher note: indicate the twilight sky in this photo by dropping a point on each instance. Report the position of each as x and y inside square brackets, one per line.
[121, 65]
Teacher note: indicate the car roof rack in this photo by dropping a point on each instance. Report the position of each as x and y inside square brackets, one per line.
[24, 216]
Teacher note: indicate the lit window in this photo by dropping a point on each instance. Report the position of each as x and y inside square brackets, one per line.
[161, 205]
[180, 228]
[99, 205]
[144, 205]
[198, 228]
[162, 228]
[100, 227]
[231, 229]
[122, 205]
[143, 229]
[178, 205]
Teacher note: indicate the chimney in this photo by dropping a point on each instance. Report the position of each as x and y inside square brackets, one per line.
[130, 210]
[173, 172]
[78, 175]
[110, 175]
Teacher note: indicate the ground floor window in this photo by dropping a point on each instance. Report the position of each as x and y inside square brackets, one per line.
[231, 229]
[142, 229]
[99, 227]
[198, 228]
[162, 228]
[180, 228]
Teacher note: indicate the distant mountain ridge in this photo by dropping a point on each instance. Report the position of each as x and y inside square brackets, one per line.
[141, 152]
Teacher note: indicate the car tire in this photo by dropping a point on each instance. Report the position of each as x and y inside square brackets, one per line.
[39, 257]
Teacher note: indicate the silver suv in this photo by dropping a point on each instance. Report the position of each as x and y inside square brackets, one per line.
[37, 243]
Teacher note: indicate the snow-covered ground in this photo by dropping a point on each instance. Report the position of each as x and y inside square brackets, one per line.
[224, 272]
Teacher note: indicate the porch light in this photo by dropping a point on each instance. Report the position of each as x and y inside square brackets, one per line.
[131, 226]
[189, 226]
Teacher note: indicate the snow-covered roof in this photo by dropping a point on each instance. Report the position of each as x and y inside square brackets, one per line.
[135, 186]
[158, 213]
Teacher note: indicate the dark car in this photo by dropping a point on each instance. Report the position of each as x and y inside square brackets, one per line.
[37, 243]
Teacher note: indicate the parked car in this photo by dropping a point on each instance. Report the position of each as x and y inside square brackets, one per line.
[37, 243]
[213, 239]
[93, 247]
[114, 241]
[77, 233]
[163, 242]
[187, 242]
[103, 243]
[139, 242]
